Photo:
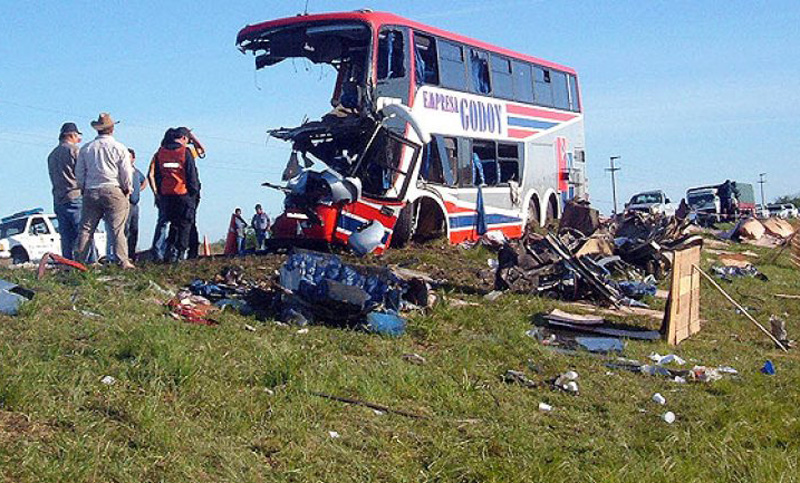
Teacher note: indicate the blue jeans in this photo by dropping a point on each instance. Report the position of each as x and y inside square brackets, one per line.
[69, 223]
[240, 242]
[159, 248]
[261, 235]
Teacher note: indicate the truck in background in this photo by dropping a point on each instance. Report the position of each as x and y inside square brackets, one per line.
[725, 201]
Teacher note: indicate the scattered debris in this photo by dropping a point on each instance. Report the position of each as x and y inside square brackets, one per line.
[768, 368]
[668, 417]
[358, 402]
[333, 434]
[414, 358]
[12, 296]
[108, 380]
[545, 408]
[517, 377]
[50, 260]
[667, 359]
[659, 399]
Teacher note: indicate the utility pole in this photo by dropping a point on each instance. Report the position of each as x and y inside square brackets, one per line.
[761, 181]
[613, 169]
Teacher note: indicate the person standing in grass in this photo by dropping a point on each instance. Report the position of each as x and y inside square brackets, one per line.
[103, 172]
[239, 229]
[261, 225]
[67, 199]
[139, 184]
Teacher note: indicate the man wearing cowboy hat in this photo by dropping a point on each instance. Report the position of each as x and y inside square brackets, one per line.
[67, 201]
[104, 174]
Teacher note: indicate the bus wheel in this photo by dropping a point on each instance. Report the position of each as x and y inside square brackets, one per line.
[532, 225]
[404, 227]
[552, 212]
[430, 222]
[19, 255]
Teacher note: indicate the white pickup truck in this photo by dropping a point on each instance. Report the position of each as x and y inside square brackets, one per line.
[651, 202]
[26, 236]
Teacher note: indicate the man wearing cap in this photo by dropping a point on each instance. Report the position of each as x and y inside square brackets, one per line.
[67, 201]
[178, 188]
[104, 174]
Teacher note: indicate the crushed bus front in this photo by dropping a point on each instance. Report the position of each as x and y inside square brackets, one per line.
[349, 172]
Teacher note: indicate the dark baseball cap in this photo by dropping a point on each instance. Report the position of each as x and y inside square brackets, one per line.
[182, 131]
[69, 127]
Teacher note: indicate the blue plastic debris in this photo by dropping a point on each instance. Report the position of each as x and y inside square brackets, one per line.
[768, 368]
[637, 290]
[386, 323]
[601, 345]
[322, 287]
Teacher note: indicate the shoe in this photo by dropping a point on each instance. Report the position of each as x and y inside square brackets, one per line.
[128, 266]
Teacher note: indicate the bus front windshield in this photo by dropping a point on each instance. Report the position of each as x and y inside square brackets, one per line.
[343, 45]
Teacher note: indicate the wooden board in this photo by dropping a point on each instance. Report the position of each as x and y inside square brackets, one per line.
[795, 250]
[683, 307]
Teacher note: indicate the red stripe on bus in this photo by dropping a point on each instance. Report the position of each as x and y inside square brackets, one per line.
[513, 231]
[453, 208]
[520, 133]
[534, 112]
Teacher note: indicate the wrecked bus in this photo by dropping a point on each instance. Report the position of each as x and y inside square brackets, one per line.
[431, 133]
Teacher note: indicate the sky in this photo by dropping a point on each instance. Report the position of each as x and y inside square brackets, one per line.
[685, 92]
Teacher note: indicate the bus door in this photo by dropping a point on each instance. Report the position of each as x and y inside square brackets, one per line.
[385, 171]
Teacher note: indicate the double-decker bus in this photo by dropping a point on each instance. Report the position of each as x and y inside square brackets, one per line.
[431, 133]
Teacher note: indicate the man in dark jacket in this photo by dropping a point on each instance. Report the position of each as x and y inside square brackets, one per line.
[178, 189]
[67, 199]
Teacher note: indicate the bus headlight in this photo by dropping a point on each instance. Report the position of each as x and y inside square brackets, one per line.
[3, 245]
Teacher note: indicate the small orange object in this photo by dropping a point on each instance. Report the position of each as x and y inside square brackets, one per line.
[206, 247]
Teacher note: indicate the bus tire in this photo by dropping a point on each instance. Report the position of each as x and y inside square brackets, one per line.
[430, 221]
[552, 210]
[19, 255]
[403, 227]
[532, 225]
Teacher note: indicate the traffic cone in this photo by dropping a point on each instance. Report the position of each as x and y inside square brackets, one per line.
[206, 247]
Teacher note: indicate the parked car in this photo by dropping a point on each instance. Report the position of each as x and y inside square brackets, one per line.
[651, 202]
[762, 212]
[725, 201]
[26, 236]
[782, 210]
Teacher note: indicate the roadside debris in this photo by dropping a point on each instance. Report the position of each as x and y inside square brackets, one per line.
[414, 358]
[667, 359]
[517, 377]
[659, 399]
[668, 417]
[545, 408]
[768, 368]
[108, 380]
[12, 297]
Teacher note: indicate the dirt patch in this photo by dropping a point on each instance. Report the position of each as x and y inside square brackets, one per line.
[17, 426]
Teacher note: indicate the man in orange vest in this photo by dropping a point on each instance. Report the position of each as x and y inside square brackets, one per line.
[178, 189]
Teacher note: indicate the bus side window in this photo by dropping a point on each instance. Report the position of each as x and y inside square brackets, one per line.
[501, 77]
[543, 90]
[479, 67]
[440, 161]
[390, 55]
[465, 169]
[560, 90]
[451, 64]
[508, 159]
[425, 58]
[523, 82]
[485, 151]
[574, 102]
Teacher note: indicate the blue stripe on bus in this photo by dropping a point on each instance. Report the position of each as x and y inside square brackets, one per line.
[522, 122]
[461, 221]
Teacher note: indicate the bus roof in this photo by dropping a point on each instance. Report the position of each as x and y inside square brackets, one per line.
[377, 19]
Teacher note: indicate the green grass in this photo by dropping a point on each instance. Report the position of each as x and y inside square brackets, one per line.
[194, 403]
